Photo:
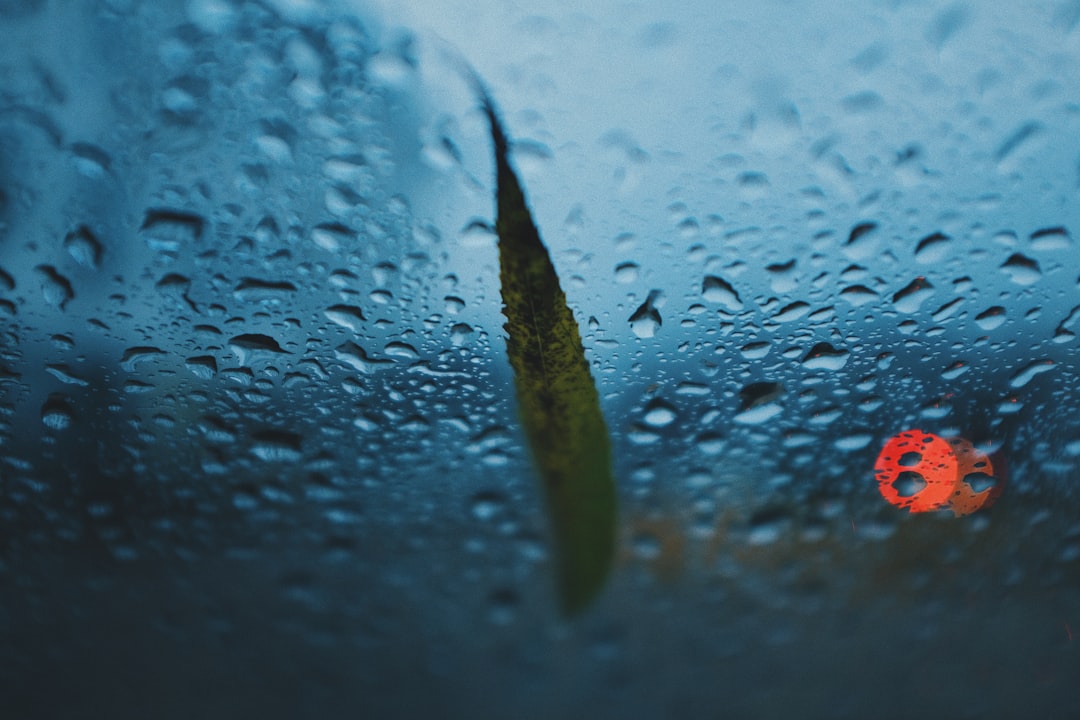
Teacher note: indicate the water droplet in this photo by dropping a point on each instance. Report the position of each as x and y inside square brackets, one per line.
[626, 272]
[795, 439]
[851, 443]
[646, 546]
[1006, 238]
[710, 442]
[1021, 269]
[276, 445]
[1063, 332]
[768, 526]
[1062, 336]
[991, 318]
[659, 413]
[947, 310]
[137, 386]
[792, 312]
[693, 389]
[955, 370]
[487, 505]
[909, 483]
[646, 319]
[460, 334]
[782, 276]
[825, 416]
[55, 288]
[1029, 371]
[1018, 138]
[355, 356]
[203, 367]
[347, 316]
[256, 290]
[862, 240]
[504, 606]
[64, 374]
[176, 286]
[56, 412]
[759, 414]
[756, 350]
[932, 248]
[249, 346]
[402, 350]
[859, 295]
[168, 231]
[824, 356]
[911, 297]
[752, 184]
[454, 304]
[936, 409]
[133, 356]
[332, 236]
[1049, 239]
[759, 402]
[90, 160]
[979, 481]
[213, 16]
[718, 290]
[478, 234]
[83, 247]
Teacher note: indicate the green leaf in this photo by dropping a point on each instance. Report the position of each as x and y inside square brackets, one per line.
[558, 402]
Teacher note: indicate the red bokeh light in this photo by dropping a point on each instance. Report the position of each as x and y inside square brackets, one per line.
[919, 471]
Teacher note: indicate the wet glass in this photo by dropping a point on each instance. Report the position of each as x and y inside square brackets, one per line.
[266, 447]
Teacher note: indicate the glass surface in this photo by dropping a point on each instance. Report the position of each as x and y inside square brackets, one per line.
[260, 449]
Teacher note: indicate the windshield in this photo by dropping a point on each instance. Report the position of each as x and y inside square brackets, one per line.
[486, 359]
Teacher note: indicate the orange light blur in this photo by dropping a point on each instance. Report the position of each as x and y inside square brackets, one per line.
[972, 462]
[919, 471]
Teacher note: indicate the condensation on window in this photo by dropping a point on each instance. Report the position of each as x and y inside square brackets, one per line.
[260, 441]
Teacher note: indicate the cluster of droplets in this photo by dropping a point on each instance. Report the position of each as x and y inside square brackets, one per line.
[810, 357]
[238, 294]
